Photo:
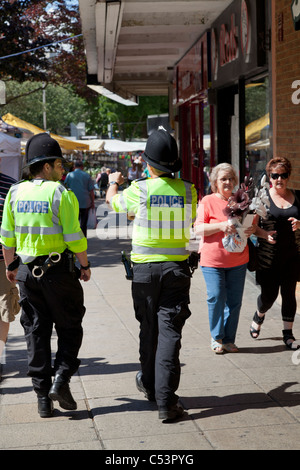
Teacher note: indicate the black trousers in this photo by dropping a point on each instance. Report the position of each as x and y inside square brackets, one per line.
[160, 294]
[83, 219]
[283, 279]
[55, 299]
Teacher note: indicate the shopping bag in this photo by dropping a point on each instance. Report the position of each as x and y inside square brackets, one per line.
[92, 219]
[236, 242]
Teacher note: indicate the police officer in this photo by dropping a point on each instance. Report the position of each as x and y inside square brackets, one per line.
[40, 225]
[164, 209]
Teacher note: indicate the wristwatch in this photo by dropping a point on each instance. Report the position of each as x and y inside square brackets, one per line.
[86, 267]
[113, 182]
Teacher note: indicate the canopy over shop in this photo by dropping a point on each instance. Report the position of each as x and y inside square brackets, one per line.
[114, 154]
[68, 146]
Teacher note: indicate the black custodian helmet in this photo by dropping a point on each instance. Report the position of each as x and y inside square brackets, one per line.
[42, 147]
[161, 152]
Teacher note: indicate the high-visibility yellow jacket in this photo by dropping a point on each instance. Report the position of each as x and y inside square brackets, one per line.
[164, 210]
[40, 217]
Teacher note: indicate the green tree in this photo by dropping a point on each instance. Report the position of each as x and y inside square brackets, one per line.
[63, 105]
[128, 122]
[27, 27]
[30, 24]
[18, 35]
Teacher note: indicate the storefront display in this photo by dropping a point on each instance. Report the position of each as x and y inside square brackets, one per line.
[214, 87]
[240, 85]
[190, 99]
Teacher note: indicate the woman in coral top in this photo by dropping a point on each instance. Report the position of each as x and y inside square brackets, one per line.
[224, 272]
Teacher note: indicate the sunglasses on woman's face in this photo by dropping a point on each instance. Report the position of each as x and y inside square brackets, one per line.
[283, 176]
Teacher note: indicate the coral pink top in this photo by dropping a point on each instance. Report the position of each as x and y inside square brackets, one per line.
[213, 254]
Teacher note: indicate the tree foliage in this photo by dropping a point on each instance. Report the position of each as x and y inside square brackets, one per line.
[61, 106]
[60, 69]
[30, 25]
[18, 35]
[127, 122]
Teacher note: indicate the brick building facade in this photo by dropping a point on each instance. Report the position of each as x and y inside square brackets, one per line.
[286, 83]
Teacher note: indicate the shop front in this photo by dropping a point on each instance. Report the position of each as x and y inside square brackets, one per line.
[221, 91]
[240, 86]
[193, 114]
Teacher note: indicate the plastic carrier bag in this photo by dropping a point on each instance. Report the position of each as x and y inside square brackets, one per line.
[92, 219]
[236, 242]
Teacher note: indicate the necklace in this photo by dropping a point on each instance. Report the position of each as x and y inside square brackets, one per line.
[220, 196]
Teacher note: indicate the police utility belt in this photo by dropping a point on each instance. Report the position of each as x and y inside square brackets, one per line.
[41, 264]
[192, 261]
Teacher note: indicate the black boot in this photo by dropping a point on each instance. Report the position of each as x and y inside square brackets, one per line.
[171, 413]
[45, 407]
[150, 395]
[60, 391]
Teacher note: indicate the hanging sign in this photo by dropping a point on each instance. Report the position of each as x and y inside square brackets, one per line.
[235, 47]
[192, 72]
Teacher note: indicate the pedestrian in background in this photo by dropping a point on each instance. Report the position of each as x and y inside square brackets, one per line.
[82, 185]
[164, 208]
[134, 172]
[40, 224]
[102, 181]
[9, 296]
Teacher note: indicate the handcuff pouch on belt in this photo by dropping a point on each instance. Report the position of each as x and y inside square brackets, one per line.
[53, 258]
[193, 261]
[127, 265]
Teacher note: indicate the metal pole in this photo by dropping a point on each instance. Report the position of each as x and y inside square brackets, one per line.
[44, 107]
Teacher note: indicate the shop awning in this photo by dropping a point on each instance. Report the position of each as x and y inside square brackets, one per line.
[67, 145]
[253, 132]
[261, 144]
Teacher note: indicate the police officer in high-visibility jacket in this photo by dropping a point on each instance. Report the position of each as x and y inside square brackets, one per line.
[40, 225]
[164, 208]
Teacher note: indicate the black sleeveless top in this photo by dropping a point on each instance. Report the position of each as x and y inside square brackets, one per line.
[287, 244]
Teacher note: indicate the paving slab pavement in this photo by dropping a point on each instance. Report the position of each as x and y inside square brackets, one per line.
[244, 401]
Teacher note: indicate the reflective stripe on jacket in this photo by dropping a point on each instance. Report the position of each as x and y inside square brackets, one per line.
[39, 217]
[164, 209]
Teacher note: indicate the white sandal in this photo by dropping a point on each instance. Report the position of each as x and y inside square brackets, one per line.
[216, 346]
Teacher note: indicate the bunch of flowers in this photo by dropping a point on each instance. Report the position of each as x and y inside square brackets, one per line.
[260, 201]
[247, 199]
[239, 204]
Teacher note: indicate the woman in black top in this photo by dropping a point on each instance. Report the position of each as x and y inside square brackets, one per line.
[278, 252]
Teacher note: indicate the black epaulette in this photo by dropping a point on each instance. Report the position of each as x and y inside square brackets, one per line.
[141, 179]
[18, 182]
[186, 181]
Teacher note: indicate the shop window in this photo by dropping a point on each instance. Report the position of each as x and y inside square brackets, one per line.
[257, 130]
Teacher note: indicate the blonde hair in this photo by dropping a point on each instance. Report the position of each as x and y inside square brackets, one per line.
[215, 173]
